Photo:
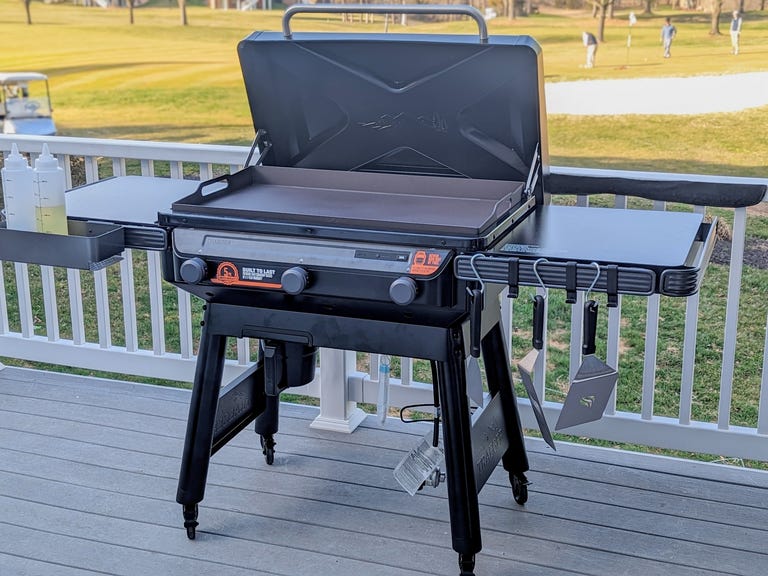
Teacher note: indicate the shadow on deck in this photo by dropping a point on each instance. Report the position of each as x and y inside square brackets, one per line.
[88, 481]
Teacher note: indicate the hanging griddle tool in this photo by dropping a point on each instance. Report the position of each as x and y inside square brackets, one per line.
[527, 365]
[594, 381]
[477, 301]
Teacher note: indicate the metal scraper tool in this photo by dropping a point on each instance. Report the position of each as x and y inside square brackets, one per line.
[594, 382]
[526, 367]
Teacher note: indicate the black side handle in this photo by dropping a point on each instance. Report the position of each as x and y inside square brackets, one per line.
[538, 322]
[590, 328]
[699, 190]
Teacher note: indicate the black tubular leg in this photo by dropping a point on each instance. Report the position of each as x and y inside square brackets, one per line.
[267, 422]
[457, 441]
[200, 423]
[266, 427]
[515, 459]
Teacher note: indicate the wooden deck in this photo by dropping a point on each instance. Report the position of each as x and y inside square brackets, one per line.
[88, 479]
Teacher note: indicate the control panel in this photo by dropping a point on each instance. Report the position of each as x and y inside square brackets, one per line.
[296, 265]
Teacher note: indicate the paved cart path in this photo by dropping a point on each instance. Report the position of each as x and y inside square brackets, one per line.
[692, 95]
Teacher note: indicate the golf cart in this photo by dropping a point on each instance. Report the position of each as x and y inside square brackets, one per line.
[25, 104]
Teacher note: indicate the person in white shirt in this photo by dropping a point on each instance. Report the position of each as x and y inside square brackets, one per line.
[591, 43]
[735, 32]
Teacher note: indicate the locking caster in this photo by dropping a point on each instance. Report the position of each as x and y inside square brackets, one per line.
[268, 448]
[519, 487]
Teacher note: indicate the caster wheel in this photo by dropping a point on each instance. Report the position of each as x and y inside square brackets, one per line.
[268, 449]
[190, 520]
[519, 488]
[467, 564]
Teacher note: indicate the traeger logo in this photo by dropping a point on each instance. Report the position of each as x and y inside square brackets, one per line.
[230, 274]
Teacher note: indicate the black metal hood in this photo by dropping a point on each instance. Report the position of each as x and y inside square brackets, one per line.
[417, 104]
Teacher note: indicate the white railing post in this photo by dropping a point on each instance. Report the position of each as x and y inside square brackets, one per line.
[337, 413]
[4, 328]
[49, 302]
[157, 317]
[25, 300]
[612, 350]
[689, 352]
[732, 317]
[129, 302]
[76, 306]
[102, 308]
[762, 411]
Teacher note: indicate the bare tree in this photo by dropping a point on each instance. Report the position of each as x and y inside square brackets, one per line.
[26, 8]
[648, 5]
[183, 6]
[717, 9]
[600, 7]
[130, 10]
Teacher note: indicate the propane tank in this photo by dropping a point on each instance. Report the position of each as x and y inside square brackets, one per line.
[18, 192]
[51, 213]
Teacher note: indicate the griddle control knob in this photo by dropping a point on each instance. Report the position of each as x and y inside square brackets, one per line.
[403, 290]
[294, 280]
[193, 271]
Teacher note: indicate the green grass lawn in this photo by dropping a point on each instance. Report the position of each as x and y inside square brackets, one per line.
[158, 80]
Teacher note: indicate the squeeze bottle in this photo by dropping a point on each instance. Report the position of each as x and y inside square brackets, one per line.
[51, 212]
[19, 192]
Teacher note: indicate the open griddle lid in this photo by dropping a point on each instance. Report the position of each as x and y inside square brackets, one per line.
[418, 104]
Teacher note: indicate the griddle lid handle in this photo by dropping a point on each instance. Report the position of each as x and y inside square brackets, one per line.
[384, 9]
[222, 183]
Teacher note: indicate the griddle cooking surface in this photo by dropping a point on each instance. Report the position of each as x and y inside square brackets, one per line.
[417, 204]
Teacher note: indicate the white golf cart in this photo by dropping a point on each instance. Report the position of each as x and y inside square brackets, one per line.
[25, 104]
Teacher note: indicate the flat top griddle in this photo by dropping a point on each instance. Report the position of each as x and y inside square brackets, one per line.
[368, 201]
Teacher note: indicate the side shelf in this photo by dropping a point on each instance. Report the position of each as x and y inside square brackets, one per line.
[640, 253]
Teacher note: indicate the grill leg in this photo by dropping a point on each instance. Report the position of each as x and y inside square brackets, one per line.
[266, 427]
[515, 459]
[200, 424]
[272, 357]
[457, 441]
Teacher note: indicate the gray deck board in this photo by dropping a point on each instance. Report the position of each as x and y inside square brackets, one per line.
[88, 478]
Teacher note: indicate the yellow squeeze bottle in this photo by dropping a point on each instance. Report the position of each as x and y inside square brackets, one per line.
[51, 212]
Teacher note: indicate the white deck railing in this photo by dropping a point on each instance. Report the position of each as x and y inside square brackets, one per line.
[126, 320]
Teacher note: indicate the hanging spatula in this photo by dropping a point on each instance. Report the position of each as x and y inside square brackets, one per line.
[594, 381]
[528, 363]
